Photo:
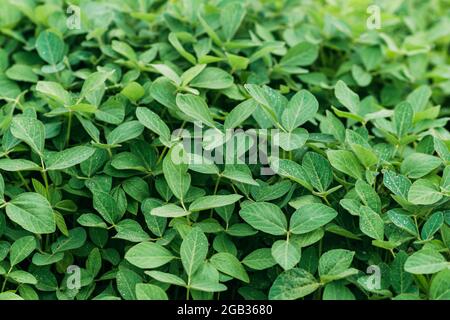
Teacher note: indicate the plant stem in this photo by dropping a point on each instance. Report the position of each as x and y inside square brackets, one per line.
[6, 279]
[69, 126]
[188, 289]
[44, 176]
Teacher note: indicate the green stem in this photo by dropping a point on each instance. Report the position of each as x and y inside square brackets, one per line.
[44, 176]
[22, 178]
[161, 155]
[69, 126]
[6, 279]
[187, 293]
[326, 200]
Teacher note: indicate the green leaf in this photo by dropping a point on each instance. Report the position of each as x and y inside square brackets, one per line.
[193, 250]
[259, 259]
[271, 192]
[230, 265]
[32, 212]
[361, 76]
[169, 211]
[310, 217]
[124, 49]
[425, 261]
[424, 192]
[8, 295]
[133, 91]
[75, 239]
[18, 165]
[23, 277]
[50, 47]
[47, 259]
[68, 157]
[173, 39]
[371, 223]
[94, 87]
[240, 113]
[148, 255]
[2, 188]
[195, 107]
[21, 72]
[398, 184]
[292, 140]
[127, 281]
[293, 284]
[130, 230]
[21, 249]
[403, 221]
[417, 165]
[124, 132]
[231, 18]
[368, 196]
[146, 291]
[153, 122]
[240, 173]
[209, 202]
[302, 54]
[166, 277]
[272, 101]
[168, 73]
[445, 181]
[335, 262]
[419, 97]
[403, 118]
[401, 280]
[291, 170]
[286, 254]
[175, 169]
[441, 149]
[91, 220]
[211, 78]
[337, 291]
[136, 188]
[318, 169]
[440, 286]
[432, 225]
[301, 108]
[206, 279]
[347, 97]
[54, 91]
[31, 131]
[345, 162]
[265, 216]
[191, 73]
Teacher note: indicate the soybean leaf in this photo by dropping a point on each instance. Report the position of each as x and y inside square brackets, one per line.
[31, 131]
[230, 265]
[310, 217]
[286, 254]
[193, 251]
[265, 216]
[32, 212]
[293, 284]
[148, 255]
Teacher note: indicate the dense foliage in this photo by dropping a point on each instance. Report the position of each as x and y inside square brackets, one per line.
[94, 205]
